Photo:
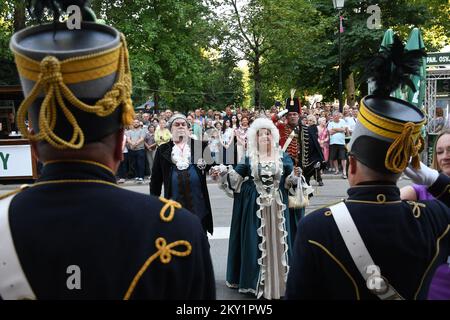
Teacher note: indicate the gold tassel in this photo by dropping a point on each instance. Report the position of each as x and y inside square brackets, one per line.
[57, 92]
[420, 144]
[401, 150]
[417, 149]
[127, 114]
[415, 162]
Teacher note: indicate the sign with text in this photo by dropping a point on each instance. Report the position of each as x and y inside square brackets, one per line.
[15, 161]
[431, 141]
[438, 58]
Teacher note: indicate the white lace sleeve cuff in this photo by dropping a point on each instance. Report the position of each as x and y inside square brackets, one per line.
[231, 182]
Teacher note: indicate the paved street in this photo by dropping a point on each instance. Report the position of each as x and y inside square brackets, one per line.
[334, 189]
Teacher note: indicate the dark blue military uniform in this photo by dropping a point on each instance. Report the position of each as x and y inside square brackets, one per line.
[440, 189]
[76, 233]
[76, 215]
[407, 241]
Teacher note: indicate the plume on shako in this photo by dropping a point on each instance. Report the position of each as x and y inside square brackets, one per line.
[388, 131]
[293, 102]
[392, 67]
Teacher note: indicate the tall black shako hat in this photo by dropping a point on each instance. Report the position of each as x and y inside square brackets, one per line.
[387, 133]
[77, 83]
[293, 103]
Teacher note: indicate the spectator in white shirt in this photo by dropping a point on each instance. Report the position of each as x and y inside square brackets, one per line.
[337, 129]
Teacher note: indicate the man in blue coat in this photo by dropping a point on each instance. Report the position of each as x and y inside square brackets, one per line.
[180, 165]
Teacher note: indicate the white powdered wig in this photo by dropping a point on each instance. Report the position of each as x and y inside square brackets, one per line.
[252, 138]
[252, 134]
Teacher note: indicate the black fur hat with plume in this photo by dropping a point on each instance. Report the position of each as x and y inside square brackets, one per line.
[392, 67]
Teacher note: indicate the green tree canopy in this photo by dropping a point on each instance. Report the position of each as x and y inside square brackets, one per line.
[184, 53]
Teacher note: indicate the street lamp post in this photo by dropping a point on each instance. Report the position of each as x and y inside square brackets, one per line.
[339, 5]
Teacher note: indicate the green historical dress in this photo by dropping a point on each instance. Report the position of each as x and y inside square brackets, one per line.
[260, 236]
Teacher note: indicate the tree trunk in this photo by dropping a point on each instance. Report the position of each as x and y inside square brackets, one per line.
[350, 85]
[19, 15]
[156, 101]
[257, 79]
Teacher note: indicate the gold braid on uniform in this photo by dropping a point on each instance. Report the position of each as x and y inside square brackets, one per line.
[168, 204]
[164, 253]
[292, 148]
[304, 138]
[52, 76]
[10, 193]
[165, 250]
[416, 208]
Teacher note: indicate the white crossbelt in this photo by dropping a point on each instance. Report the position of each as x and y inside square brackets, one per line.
[13, 282]
[289, 140]
[359, 253]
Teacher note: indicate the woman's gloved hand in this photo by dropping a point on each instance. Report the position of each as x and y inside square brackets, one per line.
[424, 176]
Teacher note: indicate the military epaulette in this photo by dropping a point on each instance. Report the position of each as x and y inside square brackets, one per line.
[15, 191]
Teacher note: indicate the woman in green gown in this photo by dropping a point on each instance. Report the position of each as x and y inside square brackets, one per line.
[260, 242]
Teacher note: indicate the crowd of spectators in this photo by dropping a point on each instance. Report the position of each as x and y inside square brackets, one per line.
[228, 129]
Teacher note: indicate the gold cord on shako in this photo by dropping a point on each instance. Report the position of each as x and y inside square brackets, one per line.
[52, 76]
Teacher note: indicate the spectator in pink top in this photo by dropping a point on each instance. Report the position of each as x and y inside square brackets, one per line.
[324, 138]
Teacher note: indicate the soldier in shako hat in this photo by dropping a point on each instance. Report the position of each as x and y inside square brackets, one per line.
[75, 234]
[373, 245]
[288, 130]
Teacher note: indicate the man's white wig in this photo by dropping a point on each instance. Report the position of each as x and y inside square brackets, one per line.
[176, 116]
[252, 134]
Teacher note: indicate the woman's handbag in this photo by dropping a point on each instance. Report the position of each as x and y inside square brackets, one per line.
[299, 198]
